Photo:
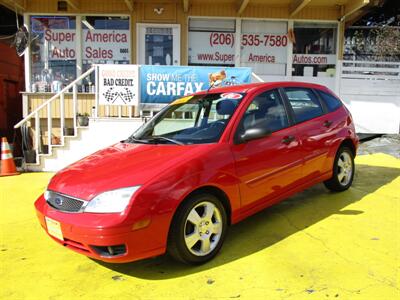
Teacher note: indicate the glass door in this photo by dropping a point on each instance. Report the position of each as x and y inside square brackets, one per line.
[158, 44]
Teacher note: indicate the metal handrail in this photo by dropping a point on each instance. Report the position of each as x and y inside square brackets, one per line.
[257, 77]
[40, 107]
[47, 104]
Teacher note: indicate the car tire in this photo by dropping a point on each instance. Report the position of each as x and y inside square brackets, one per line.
[198, 229]
[343, 170]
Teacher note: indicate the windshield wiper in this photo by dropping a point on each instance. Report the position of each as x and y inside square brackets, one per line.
[163, 138]
[131, 139]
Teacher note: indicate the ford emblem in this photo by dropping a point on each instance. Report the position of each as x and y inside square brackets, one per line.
[58, 201]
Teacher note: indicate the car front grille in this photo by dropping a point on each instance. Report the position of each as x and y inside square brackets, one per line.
[64, 203]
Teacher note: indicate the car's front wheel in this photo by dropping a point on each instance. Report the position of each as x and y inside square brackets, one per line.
[198, 229]
[343, 171]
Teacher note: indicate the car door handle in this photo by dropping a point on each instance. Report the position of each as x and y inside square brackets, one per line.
[288, 139]
[327, 124]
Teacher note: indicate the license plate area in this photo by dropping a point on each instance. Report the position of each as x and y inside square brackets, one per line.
[54, 228]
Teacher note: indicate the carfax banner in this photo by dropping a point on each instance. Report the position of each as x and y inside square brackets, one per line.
[163, 84]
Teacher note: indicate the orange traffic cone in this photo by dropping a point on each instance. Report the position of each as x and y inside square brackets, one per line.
[7, 161]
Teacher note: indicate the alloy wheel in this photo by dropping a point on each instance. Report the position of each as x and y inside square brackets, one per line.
[345, 168]
[203, 228]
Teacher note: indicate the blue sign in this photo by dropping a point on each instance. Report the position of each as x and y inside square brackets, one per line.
[163, 84]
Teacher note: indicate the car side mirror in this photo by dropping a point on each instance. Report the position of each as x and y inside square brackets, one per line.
[253, 134]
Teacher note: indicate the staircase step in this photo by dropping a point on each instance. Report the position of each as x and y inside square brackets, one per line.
[32, 164]
[83, 143]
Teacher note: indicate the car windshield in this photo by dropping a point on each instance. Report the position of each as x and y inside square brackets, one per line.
[190, 120]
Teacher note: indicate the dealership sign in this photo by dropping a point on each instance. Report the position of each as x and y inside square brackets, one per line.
[211, 48]
[97, 44]
[264, 48]
[314, 59]
[219, 47]
[163, 84]
[118, 85]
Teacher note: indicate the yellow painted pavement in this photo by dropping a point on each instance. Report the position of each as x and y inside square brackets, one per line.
[316, 245]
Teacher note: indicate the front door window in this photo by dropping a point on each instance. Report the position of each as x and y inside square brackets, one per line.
[266, 111]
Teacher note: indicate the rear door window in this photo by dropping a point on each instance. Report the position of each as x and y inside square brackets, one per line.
[331, 102]
[305, 104]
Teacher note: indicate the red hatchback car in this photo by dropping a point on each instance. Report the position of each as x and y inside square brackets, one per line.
[202, 163]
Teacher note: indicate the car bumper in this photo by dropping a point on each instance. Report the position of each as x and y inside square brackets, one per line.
[96, 235]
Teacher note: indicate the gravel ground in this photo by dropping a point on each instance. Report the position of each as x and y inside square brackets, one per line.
[388, 144]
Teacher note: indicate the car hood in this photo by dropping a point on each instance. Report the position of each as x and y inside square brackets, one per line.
[121, 165]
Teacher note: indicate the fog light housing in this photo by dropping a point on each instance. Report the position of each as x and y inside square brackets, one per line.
[109, 251]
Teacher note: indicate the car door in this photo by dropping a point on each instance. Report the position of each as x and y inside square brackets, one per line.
[314, 130]
[270, 165]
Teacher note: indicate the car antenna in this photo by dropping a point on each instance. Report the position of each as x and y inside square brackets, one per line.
[211, 86]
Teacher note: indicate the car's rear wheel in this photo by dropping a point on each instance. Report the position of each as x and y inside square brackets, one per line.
[343, 171]
[198, 229]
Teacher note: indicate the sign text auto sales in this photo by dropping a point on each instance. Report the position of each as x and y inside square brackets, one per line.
[96, 44]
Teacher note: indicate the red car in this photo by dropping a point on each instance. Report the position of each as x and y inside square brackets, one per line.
[202, 163]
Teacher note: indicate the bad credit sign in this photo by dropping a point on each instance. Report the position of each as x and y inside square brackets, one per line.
[118, 85]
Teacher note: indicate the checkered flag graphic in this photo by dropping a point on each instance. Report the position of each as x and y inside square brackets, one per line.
[111, 95]
[127, 96]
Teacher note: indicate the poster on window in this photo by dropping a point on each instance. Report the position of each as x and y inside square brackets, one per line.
[211, 48]
[163, 84]
[264, 46]
[99, 44]
[118, 85]
[314, 59]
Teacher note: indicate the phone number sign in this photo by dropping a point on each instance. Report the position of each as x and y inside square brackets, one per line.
[219, 48]
[212, 48]
[264, 48]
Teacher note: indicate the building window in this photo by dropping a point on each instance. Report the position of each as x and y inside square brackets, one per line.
[264, 47]
[105, 40]
[211, 42]
[158, 46]
[314, 49]
[53, 59]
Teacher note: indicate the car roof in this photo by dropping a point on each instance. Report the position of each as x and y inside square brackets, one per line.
[245, 88]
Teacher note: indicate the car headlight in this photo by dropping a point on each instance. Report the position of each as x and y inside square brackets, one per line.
[111, 201]
[46, 195]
